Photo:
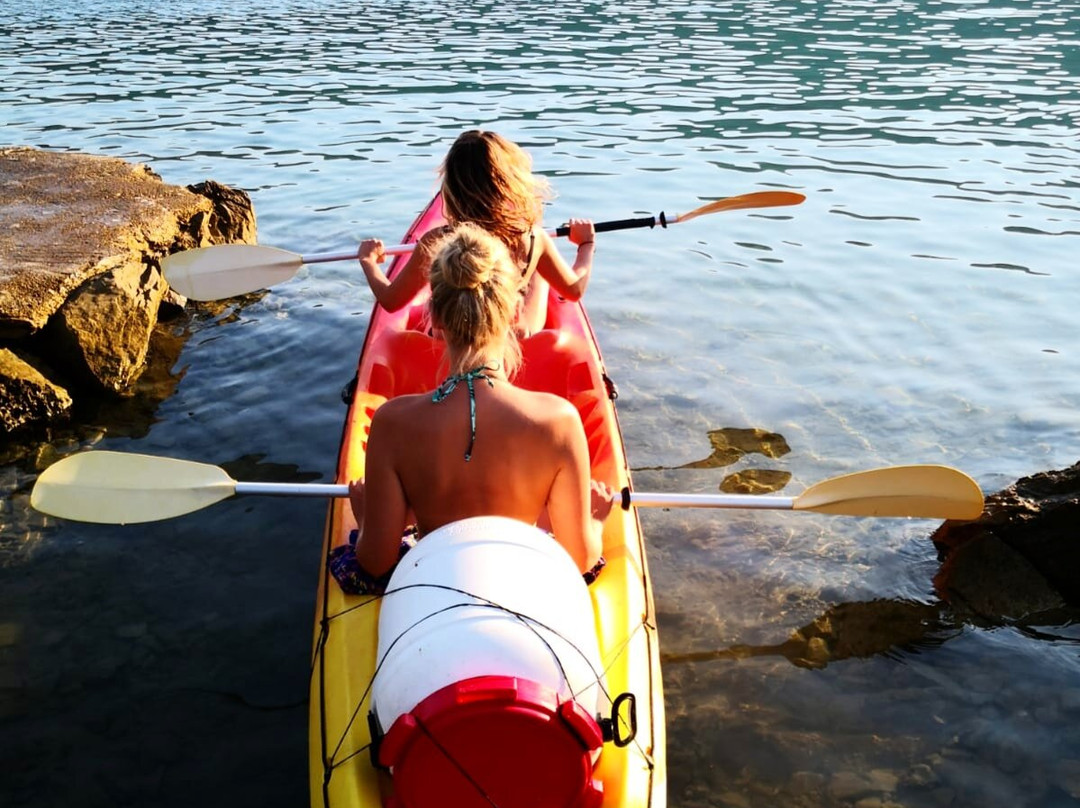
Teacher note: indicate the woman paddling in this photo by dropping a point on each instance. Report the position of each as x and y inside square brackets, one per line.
[476, 445]
[488, 180]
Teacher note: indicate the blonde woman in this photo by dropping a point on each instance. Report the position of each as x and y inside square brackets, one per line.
[487, 180]
[476, 445]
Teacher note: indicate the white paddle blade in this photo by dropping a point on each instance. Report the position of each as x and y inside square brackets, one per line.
[117, 488]
[228, 270]
[925, 491]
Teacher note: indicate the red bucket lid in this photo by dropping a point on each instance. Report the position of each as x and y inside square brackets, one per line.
[493, 740]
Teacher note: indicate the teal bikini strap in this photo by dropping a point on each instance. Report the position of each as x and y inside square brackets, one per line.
[450, 384]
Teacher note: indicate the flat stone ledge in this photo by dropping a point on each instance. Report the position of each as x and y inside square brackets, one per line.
[81, 241]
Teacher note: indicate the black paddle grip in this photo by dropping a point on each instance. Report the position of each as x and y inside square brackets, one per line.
[619, 224]
[626, 498]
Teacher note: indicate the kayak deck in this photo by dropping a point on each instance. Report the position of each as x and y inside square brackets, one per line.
[399, 357]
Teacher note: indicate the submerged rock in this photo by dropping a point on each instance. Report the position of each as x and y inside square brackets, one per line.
[81, 240]
[1022, 555]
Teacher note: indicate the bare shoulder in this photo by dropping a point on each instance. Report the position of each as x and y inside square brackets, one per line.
[553, 411]
[400, 411]
[545, 239]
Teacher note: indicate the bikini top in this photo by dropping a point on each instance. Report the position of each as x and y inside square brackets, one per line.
[450, 384]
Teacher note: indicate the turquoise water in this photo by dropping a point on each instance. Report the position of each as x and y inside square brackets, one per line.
[918, 307]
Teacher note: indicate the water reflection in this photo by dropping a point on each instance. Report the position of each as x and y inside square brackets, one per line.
[730, 444]
[897, 318]
[256, 469]
[848, 630]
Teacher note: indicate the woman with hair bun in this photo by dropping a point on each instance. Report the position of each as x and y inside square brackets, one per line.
[487, 180]
[476, 445]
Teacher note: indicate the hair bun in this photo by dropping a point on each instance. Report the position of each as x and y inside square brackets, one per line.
[469, 257]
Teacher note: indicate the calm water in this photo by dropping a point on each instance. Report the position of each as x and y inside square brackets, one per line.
[919, 307]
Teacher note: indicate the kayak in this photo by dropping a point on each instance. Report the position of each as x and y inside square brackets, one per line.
[621, 730]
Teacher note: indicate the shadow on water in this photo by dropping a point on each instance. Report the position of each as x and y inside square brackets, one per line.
[121, 645]
[849, 630]
[97, 415]
[883, 627]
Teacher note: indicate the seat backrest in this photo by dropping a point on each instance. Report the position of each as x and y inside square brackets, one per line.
[404, 362]
[557, 362]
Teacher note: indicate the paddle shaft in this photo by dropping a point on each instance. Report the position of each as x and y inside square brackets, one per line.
[617, 224]
[563, 230]
[628, 498]
[645, 500]
[294, 489]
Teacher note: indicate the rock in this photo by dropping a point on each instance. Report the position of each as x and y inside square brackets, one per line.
[920, 776]
[105, 327]
[989, 579]
[132, 631]
[26, 395]
[81, 239]
[847, 786]
[804, 782]
[229, 220]
[9, 634]
[1023, 548]
[1069, 777]
[884, 780]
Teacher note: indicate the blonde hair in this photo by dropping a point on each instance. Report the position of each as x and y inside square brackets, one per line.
[488, 180]
[475, 294]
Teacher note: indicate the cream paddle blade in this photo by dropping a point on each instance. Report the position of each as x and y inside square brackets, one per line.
[118, 488]
[228, 270]
[927, 492]
[935, 492]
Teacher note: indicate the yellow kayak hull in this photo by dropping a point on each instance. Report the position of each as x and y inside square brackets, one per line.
[400, 357]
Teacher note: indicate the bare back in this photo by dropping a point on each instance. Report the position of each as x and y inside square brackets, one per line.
[529, 455]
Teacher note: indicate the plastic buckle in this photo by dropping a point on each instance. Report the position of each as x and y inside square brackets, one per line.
[609, 726]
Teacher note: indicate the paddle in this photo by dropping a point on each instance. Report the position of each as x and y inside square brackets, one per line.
[931, 492]
[122, 488]
[229, 270]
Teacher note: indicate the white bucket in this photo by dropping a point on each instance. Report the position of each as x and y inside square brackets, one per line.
[486, 596]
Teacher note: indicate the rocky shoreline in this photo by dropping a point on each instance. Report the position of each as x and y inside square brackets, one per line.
[81, 291]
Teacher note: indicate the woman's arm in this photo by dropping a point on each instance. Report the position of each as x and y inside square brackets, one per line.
[570, 506]
[395, 294]
[379, 503]
[569, 281]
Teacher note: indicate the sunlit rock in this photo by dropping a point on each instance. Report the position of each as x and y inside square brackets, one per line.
[26, 394]
[81, 240]
[104, 328]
